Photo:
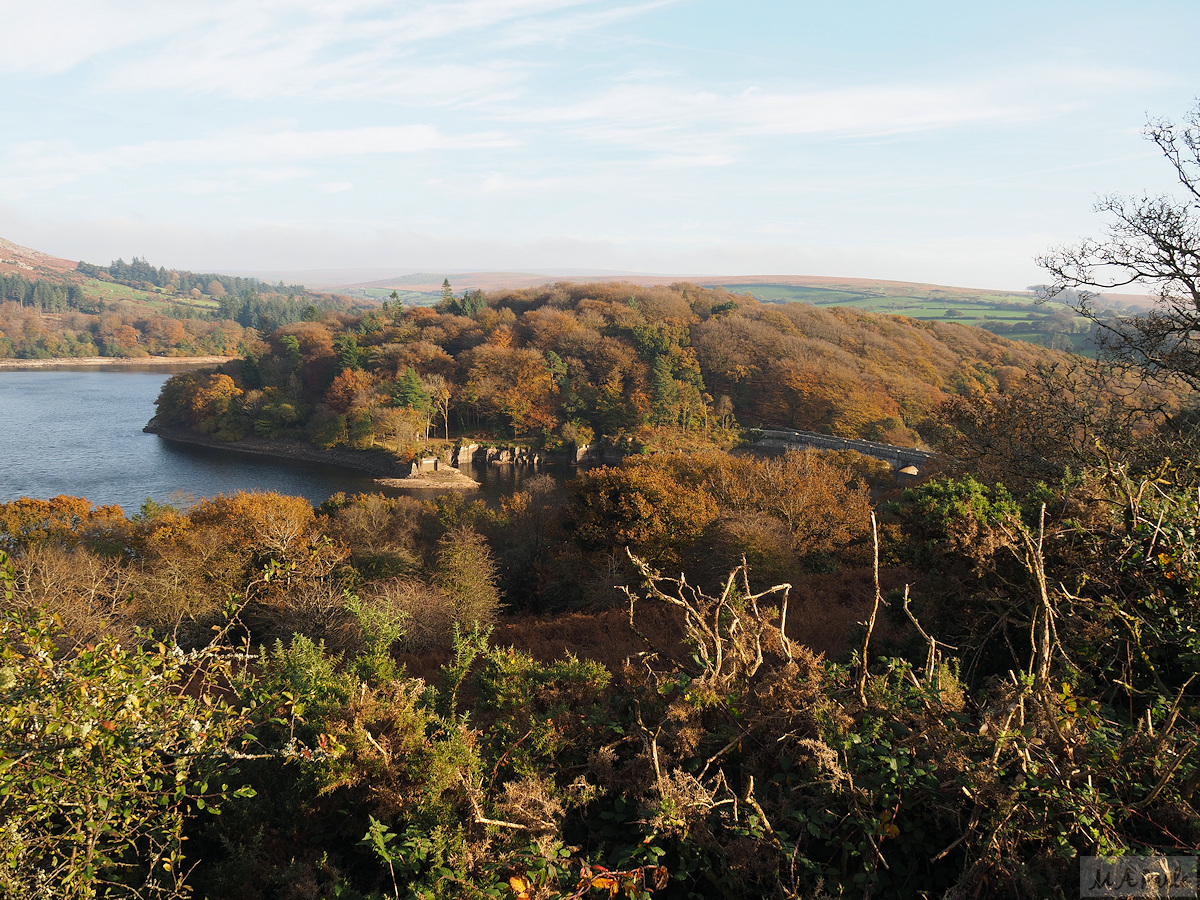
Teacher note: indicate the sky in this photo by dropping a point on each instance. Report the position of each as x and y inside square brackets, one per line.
[948, 143]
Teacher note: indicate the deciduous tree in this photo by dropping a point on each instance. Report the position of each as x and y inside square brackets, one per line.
[439, 392]
[1150, 241]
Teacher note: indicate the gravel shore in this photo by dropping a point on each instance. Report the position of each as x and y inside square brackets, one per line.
[118, 361]
[387, 471]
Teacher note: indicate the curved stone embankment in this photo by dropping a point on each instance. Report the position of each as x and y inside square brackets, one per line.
[117, 361]
[388, 471]
[466, 454]
[902, 459]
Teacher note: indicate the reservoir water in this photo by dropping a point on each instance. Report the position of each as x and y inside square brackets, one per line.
[79, 432]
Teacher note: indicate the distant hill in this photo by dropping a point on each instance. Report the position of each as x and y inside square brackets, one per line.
[18, 260]
[1015, 314]
[572, 362]
[181, 294]
[55, 308]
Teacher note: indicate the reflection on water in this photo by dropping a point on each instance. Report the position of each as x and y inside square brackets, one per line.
[500, 480]
[79, 432]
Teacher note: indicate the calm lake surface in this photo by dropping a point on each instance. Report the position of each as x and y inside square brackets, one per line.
[78, 431]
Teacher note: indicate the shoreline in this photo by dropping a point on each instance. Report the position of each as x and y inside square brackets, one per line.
[119, 361]
[443, 479]
[386, 471]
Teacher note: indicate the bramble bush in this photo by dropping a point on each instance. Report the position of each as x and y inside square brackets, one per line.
[105, 753]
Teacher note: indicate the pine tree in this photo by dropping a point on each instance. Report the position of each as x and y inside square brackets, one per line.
[349, 354]
[409, 392]
[664, 392]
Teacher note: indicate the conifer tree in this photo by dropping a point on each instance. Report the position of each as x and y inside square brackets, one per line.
[409, 392]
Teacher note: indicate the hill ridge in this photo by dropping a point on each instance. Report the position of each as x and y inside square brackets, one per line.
[15, 258]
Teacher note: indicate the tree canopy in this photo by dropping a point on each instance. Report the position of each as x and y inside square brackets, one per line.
[553, 363]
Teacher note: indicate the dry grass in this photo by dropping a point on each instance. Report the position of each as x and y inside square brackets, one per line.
[603, 636]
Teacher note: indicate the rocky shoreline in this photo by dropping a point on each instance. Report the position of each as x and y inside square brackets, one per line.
[387, 471]
[117, 361]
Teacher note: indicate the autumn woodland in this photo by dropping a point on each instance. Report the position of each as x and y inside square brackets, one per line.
[699, 669]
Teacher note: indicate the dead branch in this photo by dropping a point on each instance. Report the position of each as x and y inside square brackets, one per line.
[862, 674]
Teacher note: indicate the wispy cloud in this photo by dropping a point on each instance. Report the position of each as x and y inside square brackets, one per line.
[691, 160]
[647, 111]
[541, 30]
[641, 123]
[54, 36]
[258, 49]
[279, 146]
[37, 165]
[501, 183]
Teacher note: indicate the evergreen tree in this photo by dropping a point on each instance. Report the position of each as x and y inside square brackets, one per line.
[349, 354]
[409, 392]
[664, 392]
[471, 303]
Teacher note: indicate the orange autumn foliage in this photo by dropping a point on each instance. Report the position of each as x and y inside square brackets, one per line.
[350, 389]
[62, 519]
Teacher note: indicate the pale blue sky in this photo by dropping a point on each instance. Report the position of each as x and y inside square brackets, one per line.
[921, 141]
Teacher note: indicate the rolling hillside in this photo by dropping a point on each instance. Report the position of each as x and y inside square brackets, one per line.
[1017, 315]
[55, 308]
[139, 289]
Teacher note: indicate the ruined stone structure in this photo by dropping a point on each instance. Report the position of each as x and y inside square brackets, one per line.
[467, 454]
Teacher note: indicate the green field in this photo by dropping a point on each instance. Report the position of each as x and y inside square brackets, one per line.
[906, 300]
[411, 298]
[160, 301]
[112, 292]
[1017, 315]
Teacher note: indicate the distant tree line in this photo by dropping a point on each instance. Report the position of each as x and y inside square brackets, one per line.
[267, 312]
[45, 318]
[250, 302]
[126, 331]
[43, 294]
[140, 274]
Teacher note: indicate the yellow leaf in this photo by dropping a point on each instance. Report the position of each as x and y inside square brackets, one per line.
[604, 882]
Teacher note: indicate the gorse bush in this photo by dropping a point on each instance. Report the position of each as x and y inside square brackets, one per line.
[1028, 700]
